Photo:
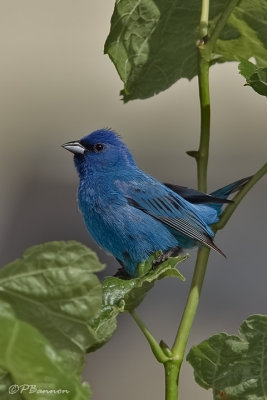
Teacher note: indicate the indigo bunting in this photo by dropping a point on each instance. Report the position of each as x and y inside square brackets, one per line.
[132, 215]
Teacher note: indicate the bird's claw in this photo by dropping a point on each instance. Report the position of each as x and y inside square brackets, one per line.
[122, 274]
[173, 252]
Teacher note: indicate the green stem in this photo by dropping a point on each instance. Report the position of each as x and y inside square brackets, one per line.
[155, 347]
[220, 24]
[182, 336]
[204, 96]
[173, 360]
[226, 215]
[204, 18]
[172, 368]
[191, 305]
[205, 54]
[171, 380]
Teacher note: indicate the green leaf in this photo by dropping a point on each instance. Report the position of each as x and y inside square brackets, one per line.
[121, 295]
[37, 370]
[5, 382]
[249, 19]
[128, 294]
[53, 287]
[258, 81]
[153, 42]
[255, 77]
[247, 68]
[234, 367]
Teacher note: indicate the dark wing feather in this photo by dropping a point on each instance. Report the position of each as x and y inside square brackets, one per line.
[194, 196]
[174, 212]
[189, 230]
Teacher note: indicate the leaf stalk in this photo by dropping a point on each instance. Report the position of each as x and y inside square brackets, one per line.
[220, 24]
[181, 339]
[154, 345]
[204, 18]
[229, 210]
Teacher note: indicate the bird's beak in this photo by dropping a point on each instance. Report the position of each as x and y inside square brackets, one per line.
[74, 147]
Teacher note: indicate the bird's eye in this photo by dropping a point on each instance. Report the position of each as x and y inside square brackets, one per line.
[98, 147]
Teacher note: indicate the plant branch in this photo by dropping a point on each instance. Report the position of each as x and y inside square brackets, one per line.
[200, 269]
[155, 347]
[204, 18]
[202, 156]
[171, 380]
[220, 24]
[191, 305]
[226, 215]
[173, 360]
[204, 96]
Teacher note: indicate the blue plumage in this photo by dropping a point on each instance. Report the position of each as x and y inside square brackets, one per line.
[132, 215]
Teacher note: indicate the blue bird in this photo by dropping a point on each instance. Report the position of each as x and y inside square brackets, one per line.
[132, 215]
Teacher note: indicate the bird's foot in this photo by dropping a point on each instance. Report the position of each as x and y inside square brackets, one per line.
[173, 252]
[122, 274]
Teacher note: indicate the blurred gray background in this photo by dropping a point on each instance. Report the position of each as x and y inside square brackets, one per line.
[56, 85]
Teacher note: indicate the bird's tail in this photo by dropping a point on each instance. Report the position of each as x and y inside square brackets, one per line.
[225, 191]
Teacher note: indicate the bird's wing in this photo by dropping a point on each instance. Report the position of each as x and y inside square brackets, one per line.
[155, 199]
[194, 196]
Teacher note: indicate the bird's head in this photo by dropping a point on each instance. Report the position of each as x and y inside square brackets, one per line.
[100, 151]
